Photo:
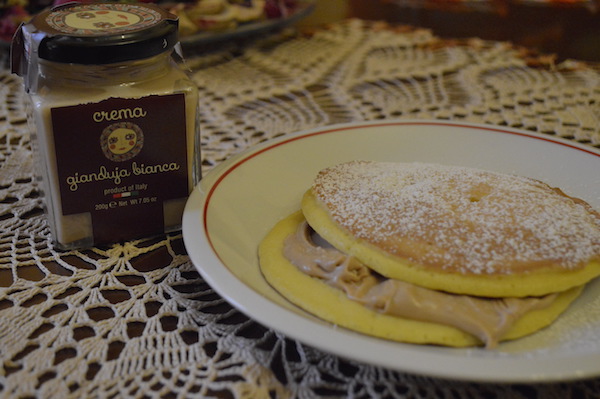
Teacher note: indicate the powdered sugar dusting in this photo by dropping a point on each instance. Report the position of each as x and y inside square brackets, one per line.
[459, 218]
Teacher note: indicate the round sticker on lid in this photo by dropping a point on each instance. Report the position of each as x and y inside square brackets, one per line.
[102, 19]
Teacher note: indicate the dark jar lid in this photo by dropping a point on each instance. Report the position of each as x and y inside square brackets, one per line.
[100, 33]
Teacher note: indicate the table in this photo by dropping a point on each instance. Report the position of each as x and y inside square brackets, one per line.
[136, 320]
[568, 28]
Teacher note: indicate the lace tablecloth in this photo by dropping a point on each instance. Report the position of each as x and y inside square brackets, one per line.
[136, 319]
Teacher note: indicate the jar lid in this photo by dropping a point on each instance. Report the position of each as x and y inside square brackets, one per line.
[102, 33]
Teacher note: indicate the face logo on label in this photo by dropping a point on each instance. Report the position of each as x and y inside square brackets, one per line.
[100, 20]
[121, 141]
[85, 15]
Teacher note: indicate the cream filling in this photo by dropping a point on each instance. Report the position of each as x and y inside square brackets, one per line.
[487, 319]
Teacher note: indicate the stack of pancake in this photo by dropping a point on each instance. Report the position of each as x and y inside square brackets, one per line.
[433, 254]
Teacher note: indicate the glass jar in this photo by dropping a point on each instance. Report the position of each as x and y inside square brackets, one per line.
[115, 129]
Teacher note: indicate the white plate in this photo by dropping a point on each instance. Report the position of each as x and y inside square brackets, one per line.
[249, 29]
[238, 202]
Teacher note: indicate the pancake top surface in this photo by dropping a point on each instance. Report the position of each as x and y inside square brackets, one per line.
[460, 219]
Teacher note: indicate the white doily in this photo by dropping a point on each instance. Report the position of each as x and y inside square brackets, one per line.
[135, 319]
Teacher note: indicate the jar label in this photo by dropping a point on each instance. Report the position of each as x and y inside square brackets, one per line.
[101, 19]
[124, 162]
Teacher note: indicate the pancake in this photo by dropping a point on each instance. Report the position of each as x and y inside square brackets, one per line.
[433, 254]
[457, 229]
[333, 305]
